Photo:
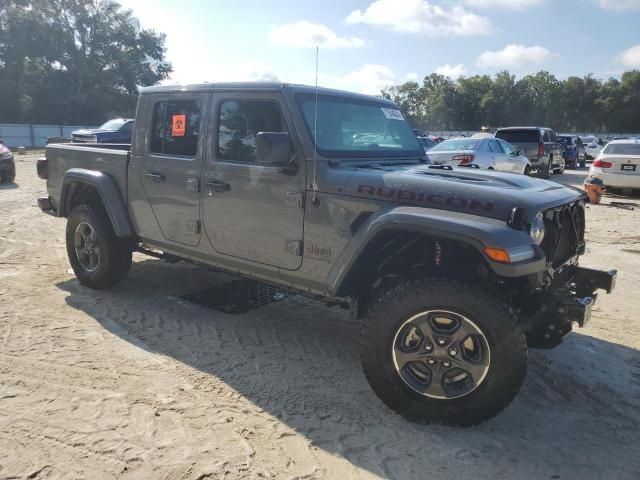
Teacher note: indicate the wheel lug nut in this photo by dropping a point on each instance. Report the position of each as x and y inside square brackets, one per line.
[430, 361]
[441, 341]
[453, 351]
[446, 364]
[428, 347]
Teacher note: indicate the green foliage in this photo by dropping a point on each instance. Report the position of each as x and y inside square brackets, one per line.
[74, 61]
[571, 105]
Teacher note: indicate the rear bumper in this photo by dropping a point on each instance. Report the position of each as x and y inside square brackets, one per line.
[616, 180]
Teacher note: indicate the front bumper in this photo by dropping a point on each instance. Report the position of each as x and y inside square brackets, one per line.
[569, 301]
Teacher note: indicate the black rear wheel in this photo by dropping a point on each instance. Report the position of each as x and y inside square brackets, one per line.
[441, 351]
[99, 259]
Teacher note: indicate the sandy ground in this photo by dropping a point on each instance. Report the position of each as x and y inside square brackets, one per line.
[135, 383]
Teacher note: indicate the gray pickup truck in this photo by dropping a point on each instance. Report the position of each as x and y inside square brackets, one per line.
[540, 145]
[454, 272]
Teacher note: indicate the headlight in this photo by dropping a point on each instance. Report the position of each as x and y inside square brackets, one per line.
[6, 156]
[537, 229]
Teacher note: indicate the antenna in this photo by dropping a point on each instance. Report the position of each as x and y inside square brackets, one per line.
[314, 185]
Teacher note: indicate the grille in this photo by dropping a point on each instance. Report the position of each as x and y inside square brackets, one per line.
[564, 233]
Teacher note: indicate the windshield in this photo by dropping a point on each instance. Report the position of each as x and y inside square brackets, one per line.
[622, 149]
[350, 127]
[112, 124]
[457, 144]
[518, 136]
[587, 139]
[567, 140]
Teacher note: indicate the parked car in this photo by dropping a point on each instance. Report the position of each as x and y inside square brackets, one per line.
[420, 133]
[593, 146]
[118, 130]
[540, 145]
[454, 274]
[7, 164]
[618, 164]
[485, 153]
[574, 151]
[426, 143]
[483, 135]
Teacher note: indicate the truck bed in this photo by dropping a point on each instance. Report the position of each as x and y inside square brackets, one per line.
[110, 159]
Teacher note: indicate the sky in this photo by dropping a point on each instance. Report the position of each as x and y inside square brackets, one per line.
[365, 45]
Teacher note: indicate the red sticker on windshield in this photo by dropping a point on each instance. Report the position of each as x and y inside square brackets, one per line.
[179, 125]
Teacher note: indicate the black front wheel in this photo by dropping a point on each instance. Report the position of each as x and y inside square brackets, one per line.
[99, 259]
[441, 351]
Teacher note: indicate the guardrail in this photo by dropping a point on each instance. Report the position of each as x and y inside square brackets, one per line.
[33, 136]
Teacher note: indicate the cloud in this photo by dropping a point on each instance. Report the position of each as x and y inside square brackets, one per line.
[304, 34]
[421, 16]
[452, 71]
[619, 4]
[511, 4]
[225, 72]
[514, 56]
[368, 79]
[411, 77]
[631, 58]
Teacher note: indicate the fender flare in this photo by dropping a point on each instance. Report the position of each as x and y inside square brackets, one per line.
[108, 192]
[478, 232]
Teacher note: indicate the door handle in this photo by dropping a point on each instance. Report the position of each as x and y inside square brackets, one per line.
[156, 177]
[218, 186]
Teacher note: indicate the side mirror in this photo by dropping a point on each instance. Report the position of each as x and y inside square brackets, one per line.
[273, 148]
[519, 152]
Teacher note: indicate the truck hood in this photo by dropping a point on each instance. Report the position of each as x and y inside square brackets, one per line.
[468, 190]
[91, 131]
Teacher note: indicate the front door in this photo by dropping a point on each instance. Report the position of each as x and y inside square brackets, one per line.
[252, 211]
[172, 164]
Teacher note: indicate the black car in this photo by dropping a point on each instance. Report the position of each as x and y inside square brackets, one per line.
[7, 165]
[574, 152]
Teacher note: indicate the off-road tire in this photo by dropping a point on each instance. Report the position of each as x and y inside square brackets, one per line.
[389, 310]
[115, 252]
[545, 170]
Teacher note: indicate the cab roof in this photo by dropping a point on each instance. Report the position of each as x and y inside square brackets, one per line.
[258, 87]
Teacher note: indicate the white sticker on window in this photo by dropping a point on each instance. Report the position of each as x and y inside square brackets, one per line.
[392, 113]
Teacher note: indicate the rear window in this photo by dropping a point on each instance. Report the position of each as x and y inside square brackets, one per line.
[622, 149]
[518, 136]
[567, 140]
[456, 144]
[176, 128]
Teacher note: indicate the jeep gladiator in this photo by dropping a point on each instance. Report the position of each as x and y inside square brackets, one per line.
[454, 272]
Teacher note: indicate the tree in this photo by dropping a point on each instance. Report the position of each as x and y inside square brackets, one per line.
[74, 61]
[572, 105]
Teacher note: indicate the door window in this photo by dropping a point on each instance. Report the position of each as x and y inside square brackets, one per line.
[495, 147]
[508, 149]
[176, 127]
[239, 122]
[545, 137]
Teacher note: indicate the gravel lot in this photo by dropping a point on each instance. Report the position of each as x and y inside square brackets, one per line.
[135, 383]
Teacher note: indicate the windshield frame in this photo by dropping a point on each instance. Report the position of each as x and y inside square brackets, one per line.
[122, 121]
[302, 98]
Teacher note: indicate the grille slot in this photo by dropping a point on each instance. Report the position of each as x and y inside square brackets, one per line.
[564, 233]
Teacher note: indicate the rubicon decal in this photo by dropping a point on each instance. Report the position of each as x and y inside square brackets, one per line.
[425, 198]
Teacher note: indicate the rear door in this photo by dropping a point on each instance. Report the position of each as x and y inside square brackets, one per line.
[498, 156]
[171, 164]
[252, 211]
